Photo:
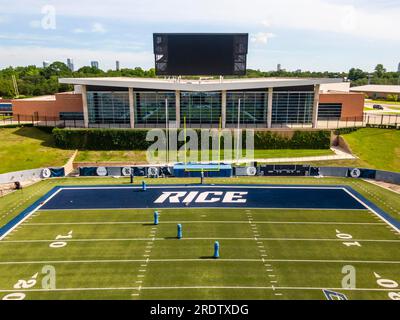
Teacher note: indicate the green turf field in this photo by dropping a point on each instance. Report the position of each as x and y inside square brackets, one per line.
[265, 254]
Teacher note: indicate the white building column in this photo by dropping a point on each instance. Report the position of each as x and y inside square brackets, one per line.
[132, 107]
[178, 108]
[223, 109]
[315, 106]
[269, 108]
[85, 106]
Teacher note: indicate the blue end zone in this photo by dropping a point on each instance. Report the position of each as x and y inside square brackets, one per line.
[273, 197]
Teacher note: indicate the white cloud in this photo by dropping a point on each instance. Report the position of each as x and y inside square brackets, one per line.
[78, 30]
[35, 24]
[95, 28]
[3, 19]
[266, 23]
[262, 37]
[380, 21]
[98, 28]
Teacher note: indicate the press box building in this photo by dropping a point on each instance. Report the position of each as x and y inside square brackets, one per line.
[264, 102]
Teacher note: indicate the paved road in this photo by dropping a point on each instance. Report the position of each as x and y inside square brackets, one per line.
[387, 107]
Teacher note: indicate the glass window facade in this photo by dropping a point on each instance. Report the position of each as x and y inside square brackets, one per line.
[204, 109]
[201, 108]
[150, 107]
[253, 107]
[108, 107]
[292, 107]
[329, 111]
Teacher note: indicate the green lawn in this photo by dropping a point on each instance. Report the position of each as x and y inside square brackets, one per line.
[29, 148]
[376, 148]
[120, 254]
[123, 239]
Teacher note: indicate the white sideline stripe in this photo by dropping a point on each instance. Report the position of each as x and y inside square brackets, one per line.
[369, 208]
[197, 260]
[28, 215]
[227, 222]
[207, 186]
[194, 239]
[194, 288]
[212, 208]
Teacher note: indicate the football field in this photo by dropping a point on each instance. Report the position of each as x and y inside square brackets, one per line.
[276, 252]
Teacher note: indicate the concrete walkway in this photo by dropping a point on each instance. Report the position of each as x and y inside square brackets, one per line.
[339, 155]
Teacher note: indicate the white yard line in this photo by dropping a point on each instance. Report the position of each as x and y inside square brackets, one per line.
[194, 239]
[196, 260]
[195, 288]
[201, 222]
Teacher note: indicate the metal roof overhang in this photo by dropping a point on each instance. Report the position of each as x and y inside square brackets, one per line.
[196, 85]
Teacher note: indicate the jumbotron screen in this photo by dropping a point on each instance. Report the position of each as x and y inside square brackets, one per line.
[200, 54]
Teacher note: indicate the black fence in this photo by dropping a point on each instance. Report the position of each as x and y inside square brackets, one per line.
[367, 120]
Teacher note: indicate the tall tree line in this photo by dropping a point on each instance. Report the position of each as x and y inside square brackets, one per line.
[35, 81]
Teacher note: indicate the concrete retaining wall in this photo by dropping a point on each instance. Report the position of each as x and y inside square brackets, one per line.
[333, 171]
[387, 176]
[21, 176]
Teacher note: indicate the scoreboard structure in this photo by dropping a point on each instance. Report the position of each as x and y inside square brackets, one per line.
[185, 54]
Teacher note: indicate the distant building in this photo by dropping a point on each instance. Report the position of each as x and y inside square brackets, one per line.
[94, 64]
[398, 68]
[117, 65]
[70, 64]
[279, 67]
[46, 64]
[377, 91]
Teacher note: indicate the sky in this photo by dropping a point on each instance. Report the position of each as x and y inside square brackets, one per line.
[315, 35]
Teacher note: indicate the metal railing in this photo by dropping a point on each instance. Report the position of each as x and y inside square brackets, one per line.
[368, 119]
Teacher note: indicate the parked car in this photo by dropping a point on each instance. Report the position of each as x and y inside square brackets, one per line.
[378, 107]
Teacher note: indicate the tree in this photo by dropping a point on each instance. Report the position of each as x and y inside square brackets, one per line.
[57, 68]
[380, 70]
[392, 97]
[356, 74]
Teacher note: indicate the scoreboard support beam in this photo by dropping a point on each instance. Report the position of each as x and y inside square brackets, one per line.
[315, 106]
[269, 108]
[178, 108]
[223, 108]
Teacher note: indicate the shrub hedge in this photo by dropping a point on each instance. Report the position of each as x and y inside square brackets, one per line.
[120, 139]
[341, 131]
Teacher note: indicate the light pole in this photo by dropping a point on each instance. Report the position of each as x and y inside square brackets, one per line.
[166, 130]
[238, 133]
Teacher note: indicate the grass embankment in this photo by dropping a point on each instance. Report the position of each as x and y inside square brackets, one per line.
[29, 148]
[140, 156]
[375, 149]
